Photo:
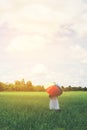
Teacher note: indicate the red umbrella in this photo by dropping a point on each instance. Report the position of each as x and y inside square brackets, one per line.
[54, 90]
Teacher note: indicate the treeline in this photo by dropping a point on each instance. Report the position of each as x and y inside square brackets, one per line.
[20, 86]
[28, 86]
[70, 88]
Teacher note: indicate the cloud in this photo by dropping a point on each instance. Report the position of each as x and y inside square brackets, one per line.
[48, 15]
[39, 69]
[26, 43]
[48, 32]
[5, 4]
[46, 18]
[78, 53]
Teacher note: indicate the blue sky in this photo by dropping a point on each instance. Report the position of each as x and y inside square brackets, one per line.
[44, 41]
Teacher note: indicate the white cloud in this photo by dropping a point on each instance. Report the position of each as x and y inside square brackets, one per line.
[52, 31]
[80, 24]
[78, 53]
[26, 43]
[5, 4]
[42, 14]
[39, 69]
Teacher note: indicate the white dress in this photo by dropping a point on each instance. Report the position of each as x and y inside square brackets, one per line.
[54, 104]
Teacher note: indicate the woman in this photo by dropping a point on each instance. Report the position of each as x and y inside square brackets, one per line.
[54, 104]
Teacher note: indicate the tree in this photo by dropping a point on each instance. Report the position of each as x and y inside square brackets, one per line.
[17, 85]
[2, 86]
[39, 88]
[29, 86]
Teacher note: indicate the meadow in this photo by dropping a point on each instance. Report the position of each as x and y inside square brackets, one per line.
[30, 111]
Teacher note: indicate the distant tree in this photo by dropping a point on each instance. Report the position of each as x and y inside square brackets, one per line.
[69, 88]
[29, 86]
[17, 85]
[2, 86]
[62, 87]
[22, 85]
[39, 88]
[11, 87]
[85, 89]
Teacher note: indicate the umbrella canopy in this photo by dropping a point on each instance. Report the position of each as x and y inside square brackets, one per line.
[54, 90]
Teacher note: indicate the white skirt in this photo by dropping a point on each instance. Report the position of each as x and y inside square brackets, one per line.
[54, 104]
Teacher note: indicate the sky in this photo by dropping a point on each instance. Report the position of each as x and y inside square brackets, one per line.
[44, 41]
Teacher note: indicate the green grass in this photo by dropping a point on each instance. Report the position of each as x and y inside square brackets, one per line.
[30, 111]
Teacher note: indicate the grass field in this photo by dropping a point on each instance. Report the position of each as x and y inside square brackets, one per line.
[30, 111]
